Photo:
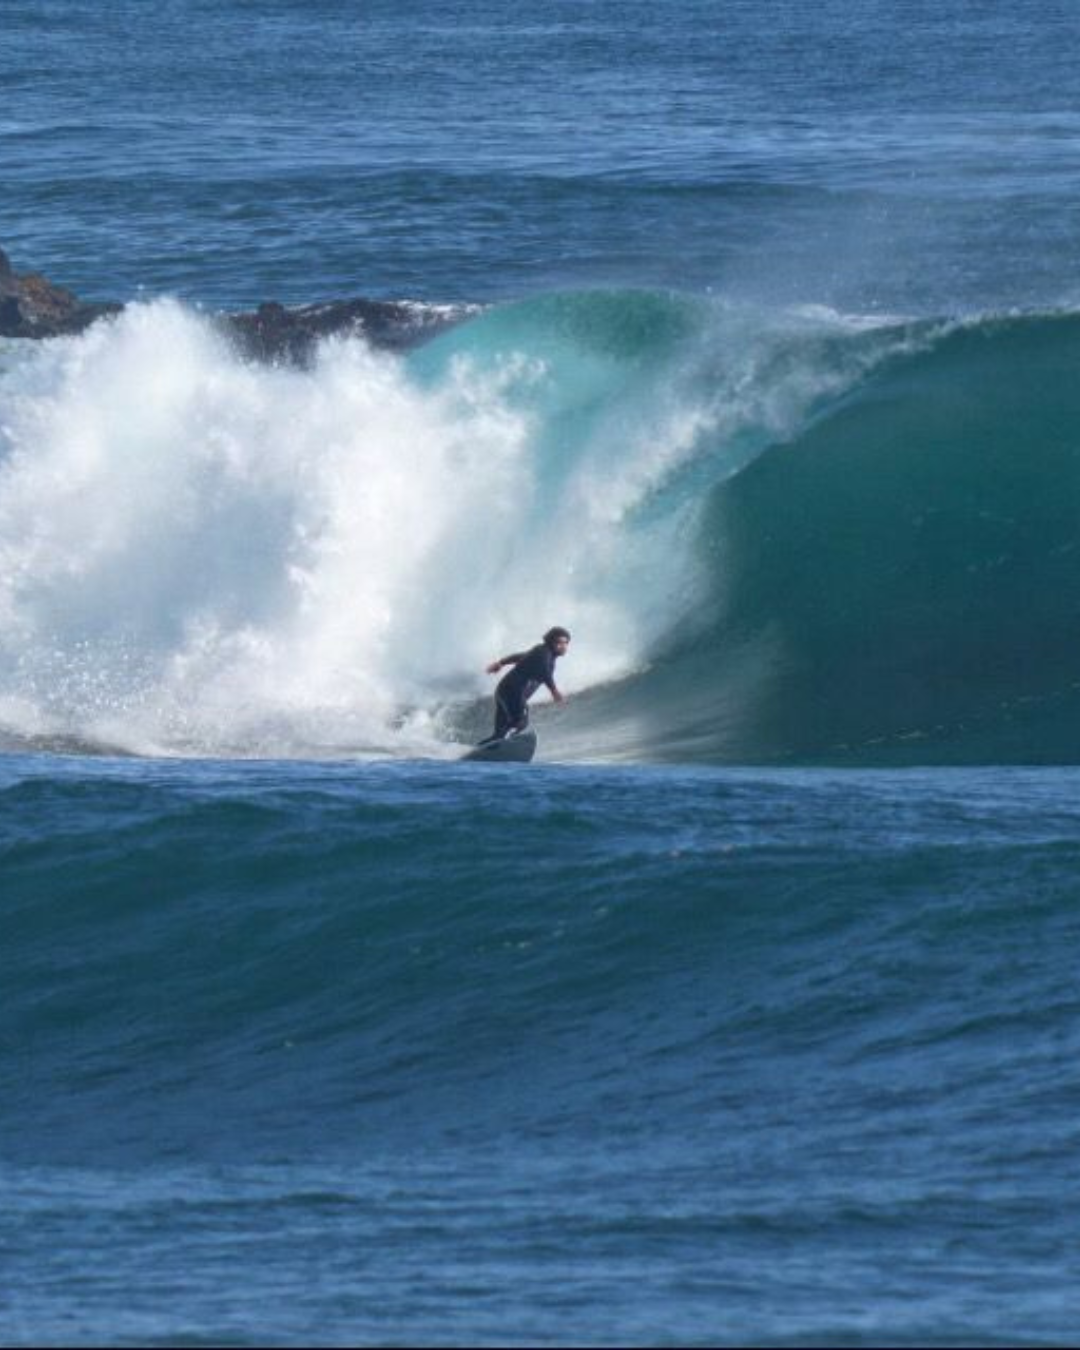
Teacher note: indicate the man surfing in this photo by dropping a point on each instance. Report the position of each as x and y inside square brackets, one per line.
[530, 670]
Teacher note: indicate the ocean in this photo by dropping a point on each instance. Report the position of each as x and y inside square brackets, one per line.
[744, 1014]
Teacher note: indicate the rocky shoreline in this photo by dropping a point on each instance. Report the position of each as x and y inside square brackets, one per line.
[33, 307]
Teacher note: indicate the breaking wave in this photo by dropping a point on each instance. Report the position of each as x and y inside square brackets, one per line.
[775, 535]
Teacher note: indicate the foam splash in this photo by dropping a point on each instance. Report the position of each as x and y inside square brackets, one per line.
[201, 554]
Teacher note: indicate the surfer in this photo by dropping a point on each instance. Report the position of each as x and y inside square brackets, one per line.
[531, 669]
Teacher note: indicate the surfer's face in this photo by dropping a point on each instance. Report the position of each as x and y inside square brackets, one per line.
[561, 644]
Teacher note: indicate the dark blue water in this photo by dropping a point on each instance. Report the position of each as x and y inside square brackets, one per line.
[851, 154]
[417, 1053]
[747, 1012]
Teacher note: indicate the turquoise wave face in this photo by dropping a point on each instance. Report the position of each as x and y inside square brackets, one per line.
[906, 569]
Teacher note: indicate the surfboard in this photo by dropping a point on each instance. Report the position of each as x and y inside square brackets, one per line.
[517, 748]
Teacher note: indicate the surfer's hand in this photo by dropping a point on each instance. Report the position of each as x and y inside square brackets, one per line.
[494, 668]
[559, 698]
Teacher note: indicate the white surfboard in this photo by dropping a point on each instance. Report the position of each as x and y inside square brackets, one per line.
[516, 748]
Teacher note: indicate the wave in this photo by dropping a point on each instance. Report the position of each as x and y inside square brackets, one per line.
[899, 580]
[302, 960]
[782, 535]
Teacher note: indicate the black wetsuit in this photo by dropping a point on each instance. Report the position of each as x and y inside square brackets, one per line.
[531, 669]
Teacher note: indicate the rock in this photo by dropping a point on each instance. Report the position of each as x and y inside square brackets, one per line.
[275, 332]
[32, 307]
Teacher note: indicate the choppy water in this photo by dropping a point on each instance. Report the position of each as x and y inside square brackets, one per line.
[746, 1012]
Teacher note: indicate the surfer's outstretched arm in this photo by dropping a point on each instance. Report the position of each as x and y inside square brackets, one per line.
[496, 666]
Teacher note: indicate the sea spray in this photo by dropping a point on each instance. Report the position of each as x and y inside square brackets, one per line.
[198, 552]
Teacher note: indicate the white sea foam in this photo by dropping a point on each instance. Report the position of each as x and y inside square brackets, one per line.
[198, 553]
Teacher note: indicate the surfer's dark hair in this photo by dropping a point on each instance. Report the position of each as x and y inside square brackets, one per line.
[554, 634]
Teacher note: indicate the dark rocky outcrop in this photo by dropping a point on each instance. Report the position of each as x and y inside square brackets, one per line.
[32, 307]
[275, 332]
